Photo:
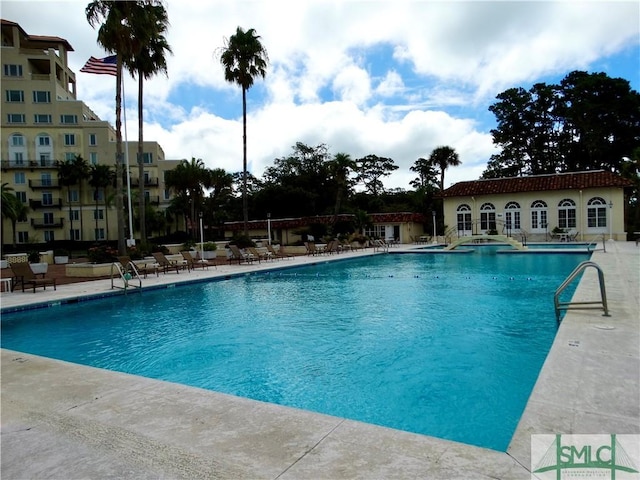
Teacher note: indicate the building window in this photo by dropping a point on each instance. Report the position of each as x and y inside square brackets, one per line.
[98, 195]
[93, 140]
[45, 179]
[48, 218]
[15, 118]
[98, 214]
[375, 231]
[597, 213]
[23, 237]
[567, 214]
[49, 236]
[69, 119]
[167, 194]
[74, 215]
[99, 233]
[93, 158]
[19, 178]
[22, 196]
[487, 217]
[15, 96]
[10, 70]
[45, 160]
[74, 196]
[464, 219]
[147, 158]
[44, 140]
[47, 198]
[512, 215]
[539, 221]
[74, 234]
[18, 158]
[16, 140]
[41, 96]
[69, 139]
[42, 118]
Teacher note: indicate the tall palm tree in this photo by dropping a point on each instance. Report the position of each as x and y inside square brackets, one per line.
[81, 168]
[443, 158]
[149, 61]
[244, 58]
[117, 35]
[12, 209]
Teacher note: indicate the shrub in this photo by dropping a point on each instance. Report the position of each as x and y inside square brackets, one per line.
[242, 241]
[209, 247]
[102, 254]
[33, 257]
[60, 252]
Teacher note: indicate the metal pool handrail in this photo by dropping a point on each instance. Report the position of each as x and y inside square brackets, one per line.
[126, 281]
[581, 305]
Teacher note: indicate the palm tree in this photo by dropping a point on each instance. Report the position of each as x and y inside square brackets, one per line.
[244, 58]
[188, 180]
[340, 167]
[100, 177]
[73, 172]
[146, 63]
[12, 209]
[118, 35]
[443, 158]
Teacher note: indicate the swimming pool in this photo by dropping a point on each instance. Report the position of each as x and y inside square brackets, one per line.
[445, 345]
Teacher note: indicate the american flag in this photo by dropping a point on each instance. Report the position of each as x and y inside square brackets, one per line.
[101, 66]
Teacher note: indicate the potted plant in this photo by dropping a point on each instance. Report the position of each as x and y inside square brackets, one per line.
[60, 256]
[209, 250]
[36, 265]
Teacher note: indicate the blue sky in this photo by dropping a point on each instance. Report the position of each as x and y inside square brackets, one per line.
[393, 78]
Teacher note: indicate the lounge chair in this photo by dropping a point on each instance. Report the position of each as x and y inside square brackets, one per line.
[573, 236]
[144, 268]
[23, 275]
[260, 256]
[165, 264]
[313, 249]
[192, 262]
[280, 253]
[238, 256]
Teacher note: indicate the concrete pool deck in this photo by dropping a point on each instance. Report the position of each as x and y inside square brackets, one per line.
[61, 420]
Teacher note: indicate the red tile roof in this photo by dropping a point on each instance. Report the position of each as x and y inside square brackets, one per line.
[538, 183]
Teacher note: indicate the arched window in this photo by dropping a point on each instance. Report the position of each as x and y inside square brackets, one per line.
[597, 213]
[44, 150]
[487, 217]
[567, 213]
[512, 216]
[17, 149]
[464, 219]
[539, 222]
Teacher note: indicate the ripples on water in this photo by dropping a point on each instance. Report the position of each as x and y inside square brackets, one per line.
[444, 345]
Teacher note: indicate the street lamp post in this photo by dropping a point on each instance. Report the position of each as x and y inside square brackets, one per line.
[610, 219]
[435, 239]
[201, 237]
[269, 227]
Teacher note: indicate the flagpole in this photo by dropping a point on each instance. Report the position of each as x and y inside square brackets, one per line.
[131, 242]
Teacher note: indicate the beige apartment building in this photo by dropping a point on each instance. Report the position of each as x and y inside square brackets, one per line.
[43, 123]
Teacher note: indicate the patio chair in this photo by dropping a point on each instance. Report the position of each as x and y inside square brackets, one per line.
[572, 236]
[143, 268]
[23, 275]
[193, 262]
[165, 264]
[280, 253]
[260, 256]
[236, 255]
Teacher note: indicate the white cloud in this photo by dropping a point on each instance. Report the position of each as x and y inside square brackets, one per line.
[449, 58]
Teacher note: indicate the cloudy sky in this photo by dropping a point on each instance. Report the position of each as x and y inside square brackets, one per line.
[393, 78]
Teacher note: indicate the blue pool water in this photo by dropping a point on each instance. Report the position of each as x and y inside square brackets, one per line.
[442, 345]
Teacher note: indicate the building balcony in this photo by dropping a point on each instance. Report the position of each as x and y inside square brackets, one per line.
[47, 223]
[30, 164]
[148, 182]
[46, 184]
[39, 204]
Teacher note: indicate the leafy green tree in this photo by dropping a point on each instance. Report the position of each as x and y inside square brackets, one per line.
[427, 175]
[244, 58]
[12, 209]
[340, 168]
[443, 158]
[148, 60]
[369, 171]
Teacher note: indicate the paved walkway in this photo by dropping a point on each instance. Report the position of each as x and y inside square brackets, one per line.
[61, 420]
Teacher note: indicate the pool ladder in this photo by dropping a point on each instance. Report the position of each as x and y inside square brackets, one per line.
[602, 304]
[131, 272]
